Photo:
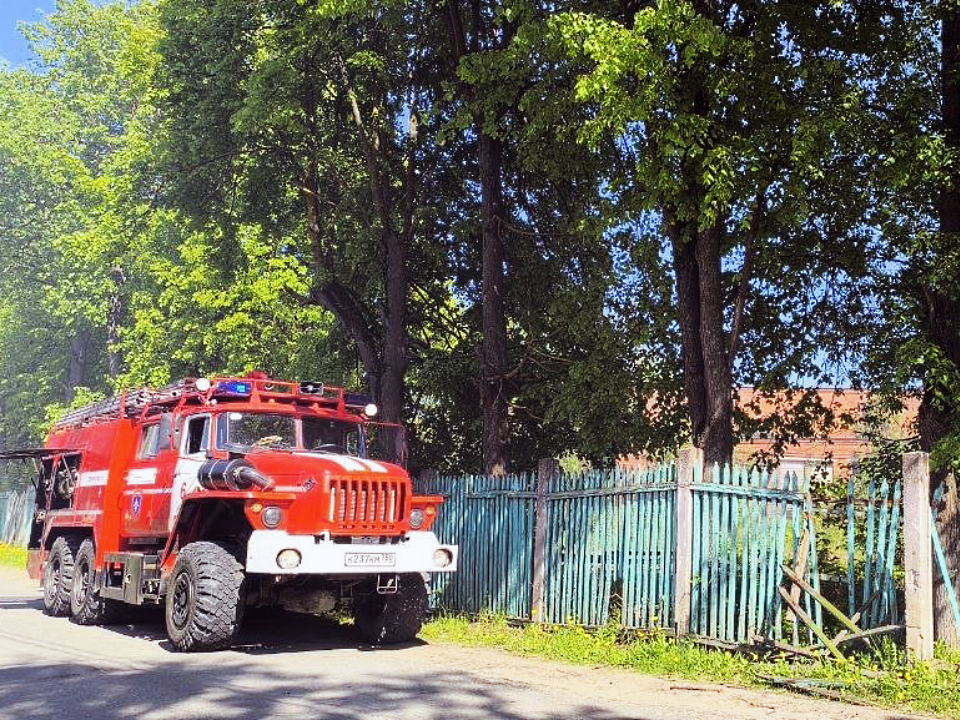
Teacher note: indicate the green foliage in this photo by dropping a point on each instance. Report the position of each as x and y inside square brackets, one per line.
[157, 165]
[72, 134]
[200, 318]
[53, 412]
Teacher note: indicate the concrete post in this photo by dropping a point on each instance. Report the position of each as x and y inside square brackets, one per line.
[917, 555]
[690, 462]
[546, 469]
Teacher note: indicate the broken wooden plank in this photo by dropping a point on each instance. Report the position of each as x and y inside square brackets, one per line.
[769, 645]
[800, 567]
[822, 688]
[859, 613]
[826, 604]
[871, 633]
[808, 621]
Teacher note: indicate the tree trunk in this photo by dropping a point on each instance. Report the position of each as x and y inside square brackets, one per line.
[943, 329]
[697, 270]
[114, 321]
[687, 281]
[706, 369]
[718, 433]
[948, 514]
[494, 401]
[76, 366]
[395, 359]
[493, 396]
[942, 308]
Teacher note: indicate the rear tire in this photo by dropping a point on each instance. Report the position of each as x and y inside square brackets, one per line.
[394, 618]
[204, 604]
[58, 577]
[86, 605]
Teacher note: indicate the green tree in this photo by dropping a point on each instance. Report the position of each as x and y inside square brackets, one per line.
[742, 128]
[70, 134]
[312, 121]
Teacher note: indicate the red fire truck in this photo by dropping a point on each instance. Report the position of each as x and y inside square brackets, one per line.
[213, 495]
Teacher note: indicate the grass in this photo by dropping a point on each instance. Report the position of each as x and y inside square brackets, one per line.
[927, 687]
[13, 556]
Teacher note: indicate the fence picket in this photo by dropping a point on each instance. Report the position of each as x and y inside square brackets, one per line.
[892, 551]
[697, 571]
[851, 549]
[868, 556]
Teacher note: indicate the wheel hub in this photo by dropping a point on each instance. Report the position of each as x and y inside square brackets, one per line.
[182, 600]
[81, 581]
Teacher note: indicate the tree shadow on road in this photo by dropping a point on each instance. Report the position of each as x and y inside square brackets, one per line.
[181, 690]
[20, 604]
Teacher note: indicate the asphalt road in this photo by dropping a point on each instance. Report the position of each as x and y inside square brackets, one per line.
[301, 667]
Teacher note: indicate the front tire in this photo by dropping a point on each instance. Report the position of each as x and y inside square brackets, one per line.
[58, 577]
[393, 618]
[204, 604]
[86, 605]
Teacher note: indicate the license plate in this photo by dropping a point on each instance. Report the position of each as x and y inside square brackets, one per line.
[370, 559]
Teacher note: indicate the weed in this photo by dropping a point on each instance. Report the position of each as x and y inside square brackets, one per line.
[13, 556]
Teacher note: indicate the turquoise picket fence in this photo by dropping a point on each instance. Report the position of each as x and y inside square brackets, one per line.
[746, 525]
[610, 548]
[16, 516]
[873, 519]
[491, 518]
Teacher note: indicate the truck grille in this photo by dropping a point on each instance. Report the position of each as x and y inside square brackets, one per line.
[367, 504]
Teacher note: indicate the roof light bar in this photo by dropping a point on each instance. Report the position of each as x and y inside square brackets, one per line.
[235, 388]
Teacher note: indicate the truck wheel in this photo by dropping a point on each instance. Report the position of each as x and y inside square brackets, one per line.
[86, 605]
[58, 577]
[204, 605]
[395, 618]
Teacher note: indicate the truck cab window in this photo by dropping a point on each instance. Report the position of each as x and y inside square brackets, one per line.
[149, 436]
[197, 435]
[245, 430]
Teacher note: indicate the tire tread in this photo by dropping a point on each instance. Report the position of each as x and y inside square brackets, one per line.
[218, 598]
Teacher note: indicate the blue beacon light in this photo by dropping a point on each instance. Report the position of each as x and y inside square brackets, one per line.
[235, 387]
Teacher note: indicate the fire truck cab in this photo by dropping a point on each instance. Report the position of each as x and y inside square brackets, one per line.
[213, 495]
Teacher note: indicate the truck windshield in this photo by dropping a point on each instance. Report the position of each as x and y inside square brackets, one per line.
[250, 430]
[331, 436]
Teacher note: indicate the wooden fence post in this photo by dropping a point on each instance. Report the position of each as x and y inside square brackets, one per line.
[545, 471]
[690, 460]
[917, 560]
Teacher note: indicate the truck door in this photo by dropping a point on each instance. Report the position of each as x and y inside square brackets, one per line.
[194, 446]
[146, 494]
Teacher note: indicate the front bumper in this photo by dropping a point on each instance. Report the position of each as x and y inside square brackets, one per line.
[413, 553]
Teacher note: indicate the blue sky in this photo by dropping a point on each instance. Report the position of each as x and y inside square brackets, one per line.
[13, 48]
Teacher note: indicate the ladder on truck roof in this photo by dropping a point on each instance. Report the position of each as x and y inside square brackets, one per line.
[132, 403]
[126, 404]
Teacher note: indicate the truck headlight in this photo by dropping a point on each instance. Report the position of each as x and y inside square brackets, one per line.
[271, 516]
[417, 517]
[442, 557]
[288, 559]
